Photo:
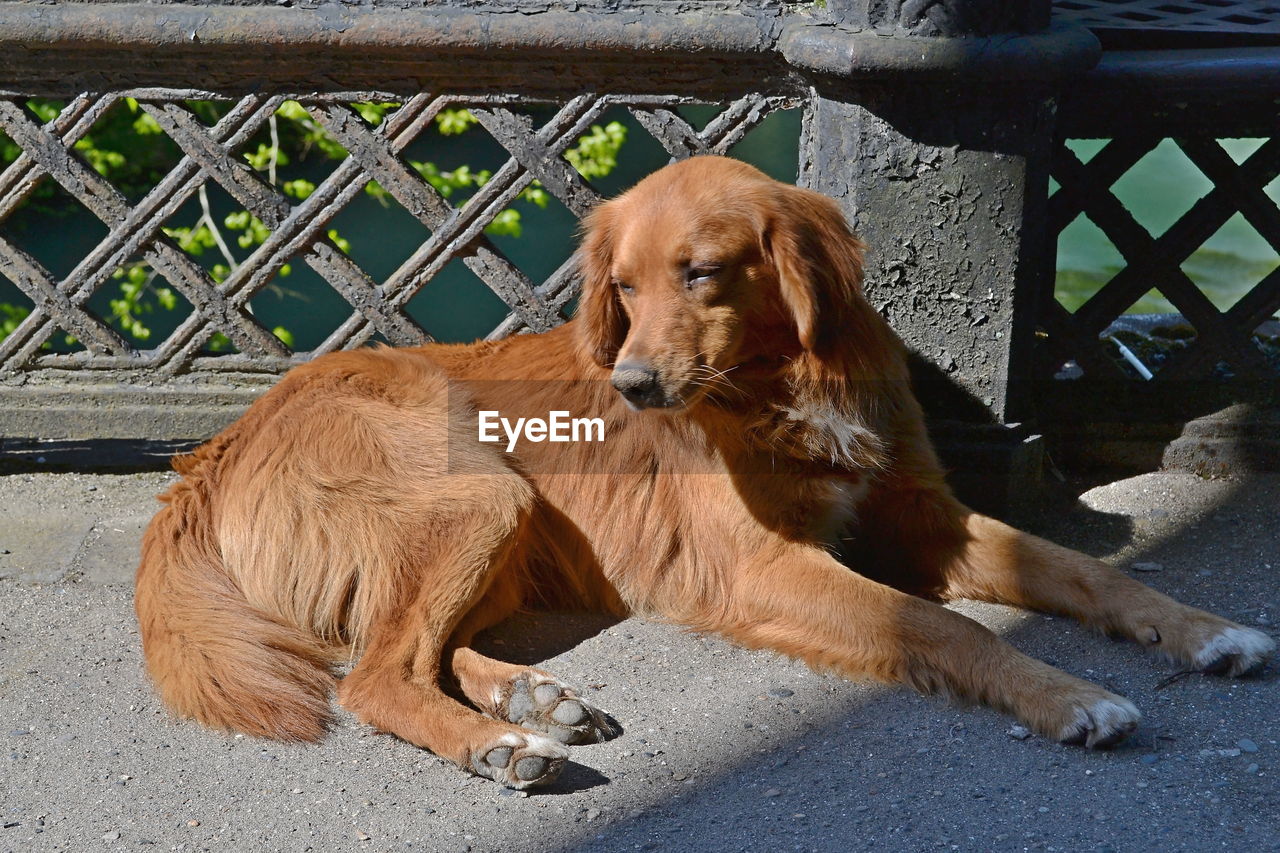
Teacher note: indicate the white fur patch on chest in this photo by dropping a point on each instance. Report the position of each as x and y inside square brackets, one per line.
[838, 507]
[833, 436]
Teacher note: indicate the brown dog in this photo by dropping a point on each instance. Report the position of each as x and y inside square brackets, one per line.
[759, 414]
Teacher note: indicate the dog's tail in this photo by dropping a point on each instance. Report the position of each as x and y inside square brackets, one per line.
[213, 656]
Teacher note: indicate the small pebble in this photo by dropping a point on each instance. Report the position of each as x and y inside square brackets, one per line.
[193, 823]
[1150, 758]
[781, 692]
[362, 836]
[1018, 732]
[1252, 768]
[1246, 745]
[511, 792]
[1043, 809]
[679, 777]
[771, 792]
[111, 836]
[1148, 567]
[592, 814]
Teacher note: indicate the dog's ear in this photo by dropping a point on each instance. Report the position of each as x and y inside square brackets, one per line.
[602, 324]
[818, 263]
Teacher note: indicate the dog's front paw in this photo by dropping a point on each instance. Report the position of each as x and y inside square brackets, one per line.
[1235, 650]
[1073, 711]
[1100, 723]
[1204, 642]
[546, 705]
[520, 760]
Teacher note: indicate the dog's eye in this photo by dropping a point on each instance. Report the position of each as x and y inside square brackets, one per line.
[699, 273]
[623, 287]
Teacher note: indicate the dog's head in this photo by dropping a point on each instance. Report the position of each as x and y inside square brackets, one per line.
[706, 265]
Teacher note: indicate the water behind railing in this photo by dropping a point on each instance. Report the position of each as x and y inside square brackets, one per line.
[1157, 191]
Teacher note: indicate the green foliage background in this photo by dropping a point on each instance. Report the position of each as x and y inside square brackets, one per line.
[129, 148]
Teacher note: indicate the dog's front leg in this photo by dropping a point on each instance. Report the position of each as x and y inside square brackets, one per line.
[928, 542]
[1005, 565]
[801, 602]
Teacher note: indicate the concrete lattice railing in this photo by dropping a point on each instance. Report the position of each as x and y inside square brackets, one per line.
[933, 127]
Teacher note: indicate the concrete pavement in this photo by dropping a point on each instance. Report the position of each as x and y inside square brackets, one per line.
[723, 749]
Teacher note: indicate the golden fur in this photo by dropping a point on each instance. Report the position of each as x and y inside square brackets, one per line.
[352, 513]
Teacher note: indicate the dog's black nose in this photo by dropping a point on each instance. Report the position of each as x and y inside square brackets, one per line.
[638, 383]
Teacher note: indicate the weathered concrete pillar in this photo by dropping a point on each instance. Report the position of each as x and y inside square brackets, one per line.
[932, 127]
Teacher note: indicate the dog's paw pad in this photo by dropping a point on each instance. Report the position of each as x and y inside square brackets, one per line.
[1235, 651]
[520, 760]
[1101, 724]
[546, 705]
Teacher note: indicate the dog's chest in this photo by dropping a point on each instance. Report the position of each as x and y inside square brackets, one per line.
[833, 505]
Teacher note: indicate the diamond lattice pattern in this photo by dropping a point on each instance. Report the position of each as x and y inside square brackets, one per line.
[229, 229]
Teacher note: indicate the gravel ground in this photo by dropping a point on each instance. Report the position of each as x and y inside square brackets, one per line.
[723, 749]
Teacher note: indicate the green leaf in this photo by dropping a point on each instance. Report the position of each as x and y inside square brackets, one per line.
[338, 240]
[146, 125]
[299, 189]
[237, 220]
[535, 194]
[596, 152]
[10, 316]
[505, 224]
[374, 114]
[293, 111]
[260, 159]
[45, 110]
[453, 122]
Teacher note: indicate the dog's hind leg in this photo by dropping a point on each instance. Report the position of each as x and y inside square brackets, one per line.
[469, 532]
[529, 697]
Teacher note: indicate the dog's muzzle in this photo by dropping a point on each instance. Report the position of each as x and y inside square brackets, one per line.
[638, 384]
